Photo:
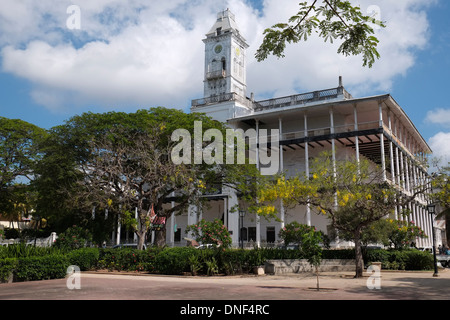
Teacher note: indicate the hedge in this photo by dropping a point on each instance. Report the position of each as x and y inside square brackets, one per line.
[84, 258]
[174, 261]
[53, 266]
[400, 259]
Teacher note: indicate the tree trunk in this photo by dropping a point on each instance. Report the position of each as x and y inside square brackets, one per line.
[358, 255]
[317, 277]
[161, 237]
[141, 239]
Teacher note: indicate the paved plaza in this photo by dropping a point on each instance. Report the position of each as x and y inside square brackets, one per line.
[334, 286]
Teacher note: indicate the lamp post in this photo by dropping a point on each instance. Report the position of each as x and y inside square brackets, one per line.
[241, 226]
[431, 210]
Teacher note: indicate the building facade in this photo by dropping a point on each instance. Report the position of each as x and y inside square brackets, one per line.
[375, 127]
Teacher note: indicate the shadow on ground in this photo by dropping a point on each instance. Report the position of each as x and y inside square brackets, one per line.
[408, 288]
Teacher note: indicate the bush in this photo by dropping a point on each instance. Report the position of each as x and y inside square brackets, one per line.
[52, 266]
[7, 267]
[73, 238]
[126, 259]
[174, 260]
[207, 232]
[400, 259]
[84, 258]
[22, 250]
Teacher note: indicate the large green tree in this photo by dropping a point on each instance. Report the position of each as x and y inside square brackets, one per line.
[122, 162]
[19, 155]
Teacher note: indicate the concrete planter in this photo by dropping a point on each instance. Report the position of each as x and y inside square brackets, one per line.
[302, 265]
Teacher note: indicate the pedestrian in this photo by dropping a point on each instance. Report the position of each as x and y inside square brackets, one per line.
[440, 249]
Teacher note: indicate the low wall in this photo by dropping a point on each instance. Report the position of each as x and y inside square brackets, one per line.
[302, 265]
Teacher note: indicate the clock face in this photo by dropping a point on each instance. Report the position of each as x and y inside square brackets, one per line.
[218, 49]
[238, 51]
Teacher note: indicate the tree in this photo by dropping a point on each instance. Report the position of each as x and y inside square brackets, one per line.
[312, 250]
[293, 233]
[19, 154]
[333, 19]
[351, 194]
[207, 232]
[122, 162]
[309, 240]
[441, 190]
[441, 194]
[390, 232]
[131, 171]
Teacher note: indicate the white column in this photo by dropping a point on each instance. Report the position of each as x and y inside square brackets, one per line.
[391, 150]
[282, 217]
[135, 239]
[172, 226]
[355, 116]
[333, 147]
[119, 227]
[308, 207]
[258, 218]
[383, 160]
[233, 216]
[408, 187]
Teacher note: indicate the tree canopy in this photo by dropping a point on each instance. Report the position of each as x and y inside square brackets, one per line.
[122, 162]
[19, 155]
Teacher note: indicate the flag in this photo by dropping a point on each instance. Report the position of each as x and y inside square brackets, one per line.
[152, 214]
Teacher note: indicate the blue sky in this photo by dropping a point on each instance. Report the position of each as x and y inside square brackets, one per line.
[128, 55]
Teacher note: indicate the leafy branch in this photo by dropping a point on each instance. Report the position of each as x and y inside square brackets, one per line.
[334, 19]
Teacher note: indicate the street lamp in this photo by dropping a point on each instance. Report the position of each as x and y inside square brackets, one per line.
[241, 226]
[431, 210]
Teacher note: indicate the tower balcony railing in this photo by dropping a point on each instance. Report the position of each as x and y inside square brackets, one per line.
[223, 97]
[216, 74]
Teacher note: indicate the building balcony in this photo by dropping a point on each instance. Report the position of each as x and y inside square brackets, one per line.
[224, 97]
[219, 74]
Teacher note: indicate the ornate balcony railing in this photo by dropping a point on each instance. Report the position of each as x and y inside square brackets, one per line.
[216, 74]
[256, 106]
[232, 96]
[302, 98]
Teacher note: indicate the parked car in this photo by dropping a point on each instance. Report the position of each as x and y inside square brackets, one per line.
[128, 245]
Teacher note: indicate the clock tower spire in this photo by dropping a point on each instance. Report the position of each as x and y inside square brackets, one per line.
[225, 58]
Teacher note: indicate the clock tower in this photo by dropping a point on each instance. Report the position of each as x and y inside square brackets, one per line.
[225, 61]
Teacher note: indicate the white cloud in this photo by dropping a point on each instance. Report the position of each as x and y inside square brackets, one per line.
[440, 144]
[144, 53]
[439, 116]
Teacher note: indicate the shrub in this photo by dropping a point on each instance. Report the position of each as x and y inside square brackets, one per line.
[73, 238]
[21, 250]
[207, 232]
[174, 260]
[84, 258]
[127, 259]
[7, 266]
[400, 259]
[52, 266]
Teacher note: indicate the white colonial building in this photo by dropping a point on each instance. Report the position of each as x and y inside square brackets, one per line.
[375, 127]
